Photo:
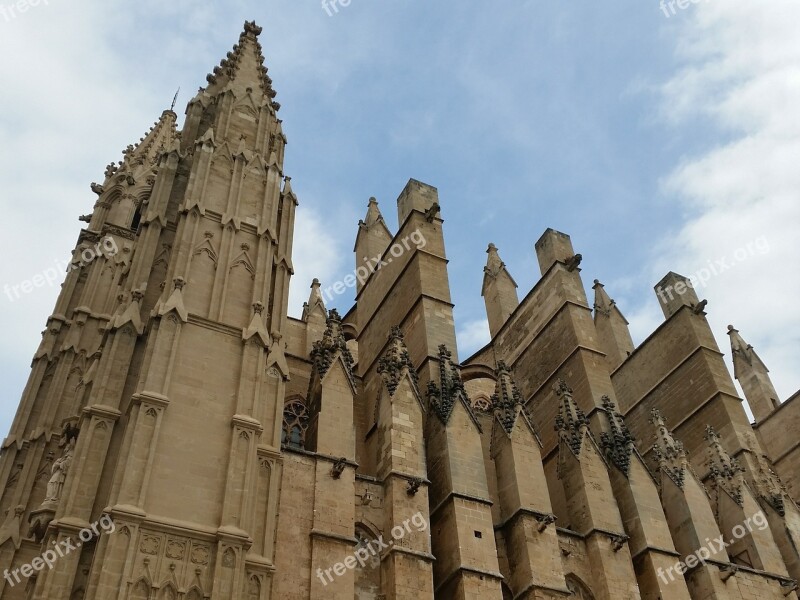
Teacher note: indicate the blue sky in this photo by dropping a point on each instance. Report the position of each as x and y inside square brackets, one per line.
[657, 143]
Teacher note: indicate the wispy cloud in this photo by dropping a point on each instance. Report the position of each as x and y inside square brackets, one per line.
[741, 73]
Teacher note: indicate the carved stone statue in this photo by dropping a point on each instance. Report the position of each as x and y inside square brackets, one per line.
[59, 474]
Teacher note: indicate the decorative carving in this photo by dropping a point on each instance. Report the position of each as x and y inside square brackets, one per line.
[668, 451]
[396, 362]
[443, 397]
[728, 571]
[726, 472]
[200, 555]
[617, 443]
[506, 399]
[150, 544]
[338, 468]
[573, 262]
[59, 473]
[330, 346]
[295, 422]
[229, 559]
[618, 542]
[571, 422]
[176, 549]
[12, 526]
[413, 486]
[544, 521]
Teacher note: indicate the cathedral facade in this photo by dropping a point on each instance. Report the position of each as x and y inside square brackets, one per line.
[182, 438]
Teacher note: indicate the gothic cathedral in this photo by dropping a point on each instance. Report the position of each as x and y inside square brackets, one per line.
[243, 454]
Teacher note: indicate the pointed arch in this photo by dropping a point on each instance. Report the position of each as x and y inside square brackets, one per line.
[578, 588]
[78, 594]
[140, 590]
[296, 417]
[194, 593]
[368, 576]
[168, 592]
[482, 403]
[254, 588]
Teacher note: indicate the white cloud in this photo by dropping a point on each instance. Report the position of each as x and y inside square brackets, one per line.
[315, 253]
[741, 73]
[472, 336]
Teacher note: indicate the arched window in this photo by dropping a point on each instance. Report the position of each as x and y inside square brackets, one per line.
[579, 589]
[368, 575]
[295, 423]
[482, 404]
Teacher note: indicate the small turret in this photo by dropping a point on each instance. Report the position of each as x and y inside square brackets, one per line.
[372, 240]
[753, 375]
[499, 291]
[612, 328]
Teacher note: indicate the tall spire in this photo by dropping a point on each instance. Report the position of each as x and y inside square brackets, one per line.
[161, 137]
[499, 291]
[753, 376]
[315, 301]
[372, 240]
[243, 67]
[612, 328]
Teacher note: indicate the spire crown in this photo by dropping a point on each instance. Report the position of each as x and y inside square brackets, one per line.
[160, 138]
[396, 362]
[507, 399]
[602, 301]
[571, 421]
[450, 389]
[618, 442]
[332, 344]
[244, 66]
[669, 452]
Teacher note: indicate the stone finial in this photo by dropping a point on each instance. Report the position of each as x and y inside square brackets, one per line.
[444, 395]
[507, 399]
[571, 422]
[726, 471]
[602, 301]
[396, 362]
[315, 300]
[499, 291]
[257, 328]
[331, 345]
[669, 452]
[753, 375]
[618, 442]
[373, 215]
[493, 263]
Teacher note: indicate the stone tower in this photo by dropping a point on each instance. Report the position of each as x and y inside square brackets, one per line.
[182, 438]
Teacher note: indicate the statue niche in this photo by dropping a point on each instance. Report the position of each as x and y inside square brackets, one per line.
[40, 518]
